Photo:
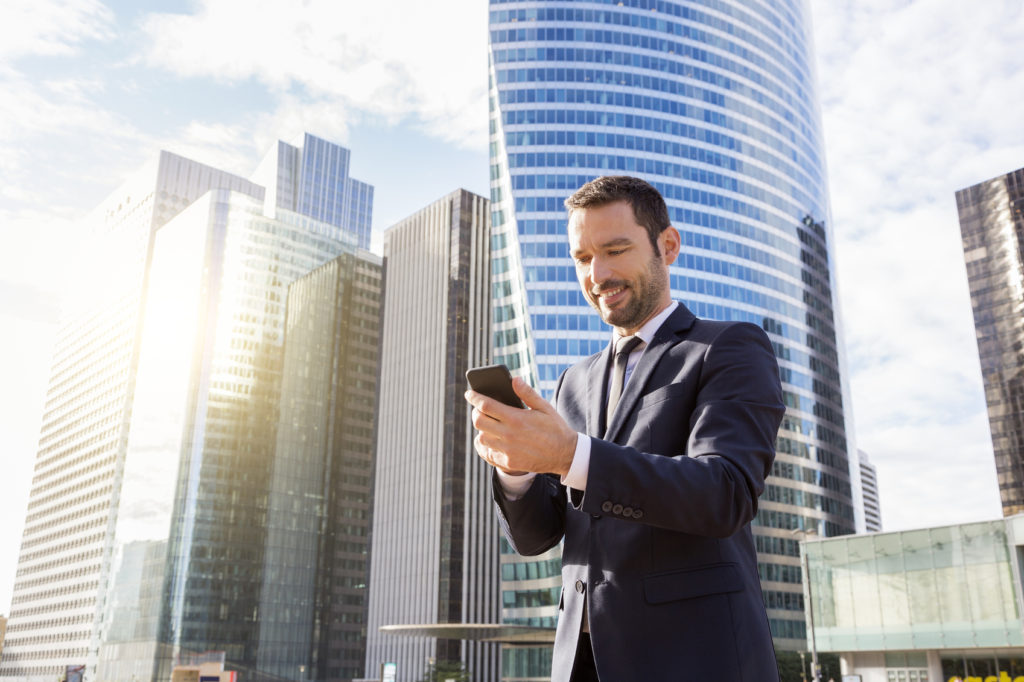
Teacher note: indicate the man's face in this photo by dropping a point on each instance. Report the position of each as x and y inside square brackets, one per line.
[619, 271]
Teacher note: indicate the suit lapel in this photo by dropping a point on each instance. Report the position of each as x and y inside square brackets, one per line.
[666, 336]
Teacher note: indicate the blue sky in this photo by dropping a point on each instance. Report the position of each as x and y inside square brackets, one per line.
[919, 98]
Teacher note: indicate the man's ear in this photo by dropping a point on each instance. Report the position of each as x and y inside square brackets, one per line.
[669, 243]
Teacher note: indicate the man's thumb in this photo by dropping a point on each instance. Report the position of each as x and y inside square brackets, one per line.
[528, 395]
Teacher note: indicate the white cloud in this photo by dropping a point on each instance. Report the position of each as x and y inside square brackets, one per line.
[421, 60]
[325, 66]
[238, 146]
[51, 27]
[59, 144]
[919, 100]
[53, 108]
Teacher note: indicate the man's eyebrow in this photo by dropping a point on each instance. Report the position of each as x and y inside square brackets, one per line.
[618, 241]
[611, 243]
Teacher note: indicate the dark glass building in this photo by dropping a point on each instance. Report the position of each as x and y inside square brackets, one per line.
[435, 536]
[992, 226]
[312, 606]
[713, 102]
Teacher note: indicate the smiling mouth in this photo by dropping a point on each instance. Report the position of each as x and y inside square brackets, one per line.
[610, 295]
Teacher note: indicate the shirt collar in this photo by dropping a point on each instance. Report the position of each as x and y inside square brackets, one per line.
[651, 327]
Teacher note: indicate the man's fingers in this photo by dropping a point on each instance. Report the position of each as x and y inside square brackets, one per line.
[494, 443]
[488, 453]
[475, 399]
[479, 419]
[488, 407]
[486, 422]
[485, 453]
[491, 433]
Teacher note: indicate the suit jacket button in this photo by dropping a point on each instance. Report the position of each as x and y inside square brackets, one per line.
[606, 506]
[580, 586]
[617, 509]
[627, 512]
[638, 513]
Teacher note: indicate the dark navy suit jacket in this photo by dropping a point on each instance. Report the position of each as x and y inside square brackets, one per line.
[660, 545]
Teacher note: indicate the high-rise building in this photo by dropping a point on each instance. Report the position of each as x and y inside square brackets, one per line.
[872, 509]
[147, 527]
[206, 415]
[312, 607]
[435, 538]
[713, 102]
[66, 550]
[992, 227]
[313, 181]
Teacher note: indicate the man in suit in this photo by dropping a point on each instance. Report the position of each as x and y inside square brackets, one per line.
[649, 465]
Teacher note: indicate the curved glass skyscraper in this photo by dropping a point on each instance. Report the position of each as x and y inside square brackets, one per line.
[713, 102]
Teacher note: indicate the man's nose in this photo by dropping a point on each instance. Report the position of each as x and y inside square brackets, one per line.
[599, 270]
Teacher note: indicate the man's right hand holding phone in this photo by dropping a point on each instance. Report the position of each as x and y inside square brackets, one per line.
[519, 441]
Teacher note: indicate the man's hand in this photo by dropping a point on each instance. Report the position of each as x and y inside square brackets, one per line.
[519, 441]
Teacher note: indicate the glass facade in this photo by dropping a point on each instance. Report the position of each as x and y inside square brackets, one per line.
[992, 226]
[130, 641]
[312, 607]
[218, 527]
[159, 486]
[937, 588]
[313, 181]
[984, 667]
[235, 482]
[713, 102]
[66, 560]
[212, 360]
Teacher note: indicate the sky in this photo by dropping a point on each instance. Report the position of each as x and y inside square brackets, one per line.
[919, 98]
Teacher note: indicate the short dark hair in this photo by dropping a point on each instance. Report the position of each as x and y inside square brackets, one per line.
[649, 207]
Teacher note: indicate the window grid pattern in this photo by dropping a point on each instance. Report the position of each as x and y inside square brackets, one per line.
[713, 103]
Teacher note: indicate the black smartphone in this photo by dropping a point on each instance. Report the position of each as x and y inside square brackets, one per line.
[494, 381]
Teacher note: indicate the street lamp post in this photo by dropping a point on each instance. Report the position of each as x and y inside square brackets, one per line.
[805, 571]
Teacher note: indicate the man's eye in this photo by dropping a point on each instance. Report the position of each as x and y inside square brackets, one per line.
[616, 252]
[582, 260]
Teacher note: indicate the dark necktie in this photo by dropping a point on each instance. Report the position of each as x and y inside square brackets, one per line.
[623, 347]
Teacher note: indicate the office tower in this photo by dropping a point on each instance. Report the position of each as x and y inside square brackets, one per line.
[205, 417]
[146, 519]
[435, 538]
[313, 181]
[869, 494]
[992, 226]
[313, 598]
[713, 103]
[65, 556]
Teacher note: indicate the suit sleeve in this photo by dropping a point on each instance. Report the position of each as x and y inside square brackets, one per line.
[535, 521]
[711, 489]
